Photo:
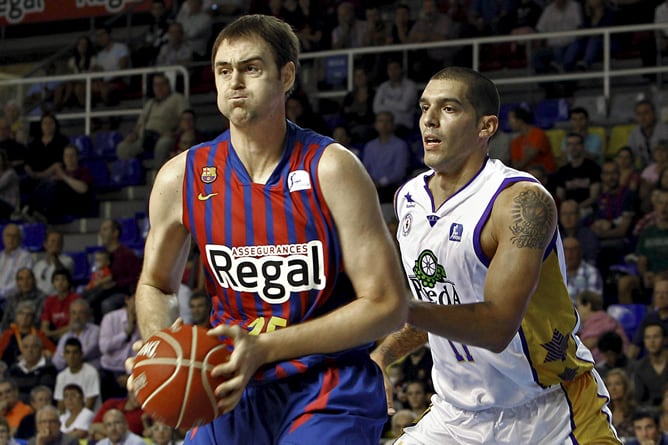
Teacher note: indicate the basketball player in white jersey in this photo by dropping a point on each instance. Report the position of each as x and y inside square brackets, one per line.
[480, 249]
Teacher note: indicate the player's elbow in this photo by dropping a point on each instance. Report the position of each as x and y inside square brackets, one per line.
[396, 314]
[499, 339]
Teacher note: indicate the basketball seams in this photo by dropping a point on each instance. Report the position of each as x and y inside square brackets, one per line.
[184, 384]
[194, 337]
[177, 362]
[205, 380]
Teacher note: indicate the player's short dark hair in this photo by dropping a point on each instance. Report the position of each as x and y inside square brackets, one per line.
[282, 40]
[573, 134]
[481, 91]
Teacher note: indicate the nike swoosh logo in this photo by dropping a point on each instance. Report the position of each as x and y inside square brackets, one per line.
[205, 197]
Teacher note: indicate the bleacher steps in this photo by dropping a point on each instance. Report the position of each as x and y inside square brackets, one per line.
[120, 209]
[77, 242]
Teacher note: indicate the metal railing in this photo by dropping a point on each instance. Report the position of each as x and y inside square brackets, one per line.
[88, 113]
[607, 72]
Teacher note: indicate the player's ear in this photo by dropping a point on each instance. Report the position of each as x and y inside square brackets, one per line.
[488, 126]
[288, 75]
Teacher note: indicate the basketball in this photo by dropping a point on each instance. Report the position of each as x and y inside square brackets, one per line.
[172, 376]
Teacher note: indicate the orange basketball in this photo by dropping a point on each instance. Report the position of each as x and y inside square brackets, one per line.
[172, 376]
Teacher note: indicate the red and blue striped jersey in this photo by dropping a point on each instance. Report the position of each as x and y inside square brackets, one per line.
[270, 251]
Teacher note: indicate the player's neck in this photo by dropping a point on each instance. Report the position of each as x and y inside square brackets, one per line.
[259, 149]
[447, 182]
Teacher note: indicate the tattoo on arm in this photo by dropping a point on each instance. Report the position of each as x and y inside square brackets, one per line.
[533, 216]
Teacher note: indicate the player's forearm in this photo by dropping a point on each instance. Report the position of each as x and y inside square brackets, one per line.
[476, 324]
[398, 344]
[153, 309]
[359, 322]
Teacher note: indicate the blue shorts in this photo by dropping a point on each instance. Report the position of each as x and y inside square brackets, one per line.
[336, 404]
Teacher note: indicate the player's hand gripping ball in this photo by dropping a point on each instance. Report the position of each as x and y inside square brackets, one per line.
[172, 376]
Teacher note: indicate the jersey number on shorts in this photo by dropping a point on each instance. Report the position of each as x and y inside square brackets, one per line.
[458, 355]
[261, 324]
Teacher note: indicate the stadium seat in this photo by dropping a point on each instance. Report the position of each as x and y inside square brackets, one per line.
[556, 136]
[129, 230]
[80, 272]
[106, 142]
[100, 171]
[84, 144]
[34, 234]
[603, 133]
[628, 315]
[619, 137]
[548, 112]
[126, 172]
[505, 108]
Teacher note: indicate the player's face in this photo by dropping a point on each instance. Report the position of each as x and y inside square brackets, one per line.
[448, 125]
[249, 85]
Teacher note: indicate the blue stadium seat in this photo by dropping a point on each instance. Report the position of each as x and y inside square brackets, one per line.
[504, 110]
[100, 171]
[628, 315]
[548, 112]
[106, 142]
[80, 273]
[34, 235]
[129, 230]
[126, 172]
[84, 144]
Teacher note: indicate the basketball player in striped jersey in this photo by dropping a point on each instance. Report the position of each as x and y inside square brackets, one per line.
[300, 267]
[480, 249]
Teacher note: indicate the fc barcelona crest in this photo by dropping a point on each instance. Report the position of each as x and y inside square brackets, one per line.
[209, 174]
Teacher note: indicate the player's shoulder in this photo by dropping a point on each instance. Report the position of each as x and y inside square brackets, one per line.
[526, 190]
[338, 162]
[172, 171]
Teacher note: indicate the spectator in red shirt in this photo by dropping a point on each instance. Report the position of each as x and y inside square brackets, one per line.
[531, 146]
[56, 312]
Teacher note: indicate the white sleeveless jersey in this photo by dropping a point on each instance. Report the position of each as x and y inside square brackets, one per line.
[442, 257]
